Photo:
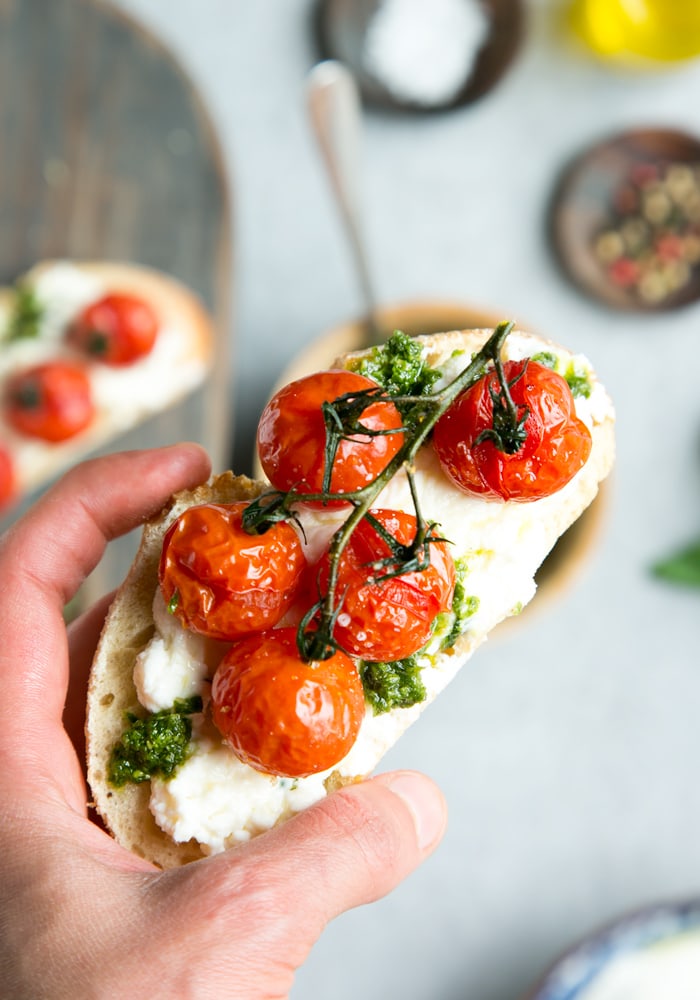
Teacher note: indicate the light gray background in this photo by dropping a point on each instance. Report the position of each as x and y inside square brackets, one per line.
[568, 748]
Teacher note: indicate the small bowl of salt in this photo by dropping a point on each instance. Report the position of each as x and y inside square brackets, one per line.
[418, 56]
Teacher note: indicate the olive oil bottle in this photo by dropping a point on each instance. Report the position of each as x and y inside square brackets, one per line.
[660, 31]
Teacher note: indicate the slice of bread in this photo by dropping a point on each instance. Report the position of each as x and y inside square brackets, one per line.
[503, 543]
[111, 693]
[124, 396]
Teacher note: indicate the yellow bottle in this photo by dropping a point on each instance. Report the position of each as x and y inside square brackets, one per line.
[657, 30]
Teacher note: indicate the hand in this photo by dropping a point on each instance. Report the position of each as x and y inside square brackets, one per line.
[81, 916]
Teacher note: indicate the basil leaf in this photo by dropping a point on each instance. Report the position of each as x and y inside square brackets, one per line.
[683, 567]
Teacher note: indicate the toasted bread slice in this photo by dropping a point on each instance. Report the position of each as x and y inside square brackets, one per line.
[503, 543]
[124, 396]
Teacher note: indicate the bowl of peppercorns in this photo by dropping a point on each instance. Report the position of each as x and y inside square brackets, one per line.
[625, 220]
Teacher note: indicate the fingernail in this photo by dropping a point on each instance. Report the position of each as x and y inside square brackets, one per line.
[425, 802]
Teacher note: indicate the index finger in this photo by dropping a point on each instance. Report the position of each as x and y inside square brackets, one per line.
[45, 557]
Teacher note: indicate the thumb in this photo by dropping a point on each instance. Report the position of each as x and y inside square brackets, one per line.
[361, 841]
[352, 848]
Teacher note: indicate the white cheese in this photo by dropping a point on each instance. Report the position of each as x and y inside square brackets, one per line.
[219, 801]
[143, 387]
[176, 664]
[63, 291]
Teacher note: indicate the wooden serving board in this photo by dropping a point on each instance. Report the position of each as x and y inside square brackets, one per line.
[108, 152]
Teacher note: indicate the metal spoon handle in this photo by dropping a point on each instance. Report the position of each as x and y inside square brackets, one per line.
[334, 109]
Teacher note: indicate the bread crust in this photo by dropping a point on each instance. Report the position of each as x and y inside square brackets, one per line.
[129, 625]
[177, 308]
[111, 692]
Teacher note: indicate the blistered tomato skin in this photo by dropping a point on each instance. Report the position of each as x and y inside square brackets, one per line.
[7, 478]
[222, 582]
[388, 619]
[50, 401]
[557, 442]
[281, 715]
[292, 436]
[118, 329]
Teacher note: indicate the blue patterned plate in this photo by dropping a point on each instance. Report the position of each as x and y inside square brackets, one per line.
[617, 961]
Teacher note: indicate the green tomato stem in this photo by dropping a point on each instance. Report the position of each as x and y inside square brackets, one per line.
[423, 412]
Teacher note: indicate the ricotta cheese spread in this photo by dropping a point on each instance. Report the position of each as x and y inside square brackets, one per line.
[218, 800]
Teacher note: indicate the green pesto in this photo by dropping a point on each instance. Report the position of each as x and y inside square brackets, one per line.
[399, 366]
[392, 685]
[464, 605]
[579, 381]
[577, 377]
[26, 315]
[399, 684]
[154, 746]
[547, 359]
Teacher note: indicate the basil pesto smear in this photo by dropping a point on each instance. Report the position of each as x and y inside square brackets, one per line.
[577, 377]
[26, 316]
[399, 684]
[399, 367]
[392, 685]
[464, 605]
[154, 746]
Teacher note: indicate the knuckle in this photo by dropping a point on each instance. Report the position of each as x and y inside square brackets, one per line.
[367, 841]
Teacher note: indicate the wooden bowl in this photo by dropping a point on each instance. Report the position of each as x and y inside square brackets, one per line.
[581, 207]
[413, 318]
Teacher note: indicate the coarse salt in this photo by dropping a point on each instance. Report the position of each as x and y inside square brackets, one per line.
[424, 53]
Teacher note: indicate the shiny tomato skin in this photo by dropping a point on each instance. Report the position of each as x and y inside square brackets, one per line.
[389, 619]
[51, 401]
[117, 329]
[292, 436]
[221, 582]
[281, 715]
[7, 478]
[557, 445]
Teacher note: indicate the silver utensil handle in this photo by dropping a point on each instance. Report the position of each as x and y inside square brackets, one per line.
[335, 113]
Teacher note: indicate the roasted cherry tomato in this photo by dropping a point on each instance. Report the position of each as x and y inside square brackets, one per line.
[117, 329]
[51, 401]
[387, 619]
[284, 716]
[556, 443]
[222, 582]
[292, 436]
[7, 478]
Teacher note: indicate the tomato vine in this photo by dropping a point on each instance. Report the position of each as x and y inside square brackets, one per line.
[342, 418]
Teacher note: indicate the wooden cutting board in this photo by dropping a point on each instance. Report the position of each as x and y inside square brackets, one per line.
[108, 152]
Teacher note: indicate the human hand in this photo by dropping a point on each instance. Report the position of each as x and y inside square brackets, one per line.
[79, 915]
